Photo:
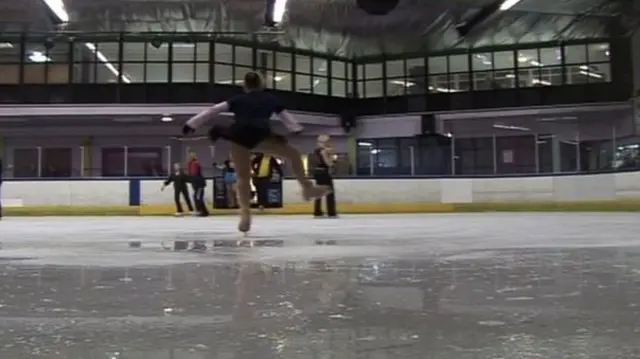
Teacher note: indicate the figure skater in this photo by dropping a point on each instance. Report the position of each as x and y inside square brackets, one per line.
[250, 130]
[179, 180]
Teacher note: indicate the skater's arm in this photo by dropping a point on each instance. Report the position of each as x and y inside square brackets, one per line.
[289, 121]
[206, 115]
[168, 181]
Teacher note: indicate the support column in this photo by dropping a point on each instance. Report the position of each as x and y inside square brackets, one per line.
[352, 153]
[556, 158]
[87, 155]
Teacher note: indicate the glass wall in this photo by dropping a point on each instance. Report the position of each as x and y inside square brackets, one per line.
[490, 69]
[115, 58]
[103, 59]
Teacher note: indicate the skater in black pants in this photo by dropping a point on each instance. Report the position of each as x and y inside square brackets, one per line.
[199, 183]
[179, 180]
[322, 176]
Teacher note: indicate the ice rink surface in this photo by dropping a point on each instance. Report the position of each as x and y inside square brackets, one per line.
[453, 286]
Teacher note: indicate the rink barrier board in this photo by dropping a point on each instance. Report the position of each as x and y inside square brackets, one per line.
[371, 208]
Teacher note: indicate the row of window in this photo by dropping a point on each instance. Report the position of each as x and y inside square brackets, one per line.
[306, 83]
[159, 55]
[578, 74]
[473, 156]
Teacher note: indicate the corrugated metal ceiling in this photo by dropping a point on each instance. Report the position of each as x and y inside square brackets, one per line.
[339, 26]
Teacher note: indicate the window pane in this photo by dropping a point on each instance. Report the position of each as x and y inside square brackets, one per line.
[373, 71]
[239, 73]
[338, 88]
[202, 51]
[374, 88]
[350, 71]
[9, 74]
[303, 83]
[223, 74]
[338, 69]
[264, 59]
[438, 83]
[482, 80]
[202, 72]
[112, 162]
[9, 51]
[528, 58]
[110, 50]
[459, 82]
[395, 69]
[459, 63]
[283, 81]
[34, 73]
[320, 86]
[157, 72]
[133, 51]
[184, 51]
[360, 87]
[283, 61]
[25, 162]
[223, 53]
[135, 72]
[183, 72]
[598, 52]
[575, 54]
[144, 161]
[503, 60]
[303, 64]
[320, 66]
[398, 86]
[551, 75]
[158, 54]
[481, 62]
[550, 56]
[504, 79]
[244, 56]
[438, 65]
[56, 162]
[593, 73]
[360, 72]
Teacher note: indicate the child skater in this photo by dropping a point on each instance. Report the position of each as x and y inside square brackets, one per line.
[250, 131]
[179, 179]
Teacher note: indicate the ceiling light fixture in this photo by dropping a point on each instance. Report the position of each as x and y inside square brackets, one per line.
[166, 118]
[508, 4]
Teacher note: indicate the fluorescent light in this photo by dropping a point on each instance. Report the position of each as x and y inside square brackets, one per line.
[509, 127]
[37, 56]
[375, 151]
[6, 45]
[510, 76]
[591, 74]
[540, 82]
[277, 78]
[442, 89]
[58, 8]
[508, 4]
[279, 8]
[365, 144]
[403, 83]
[523, 59]
[105, 61]
[535, 63]
[166, 119]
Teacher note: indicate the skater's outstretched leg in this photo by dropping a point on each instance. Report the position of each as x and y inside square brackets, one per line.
[242, 159]
[278, 146]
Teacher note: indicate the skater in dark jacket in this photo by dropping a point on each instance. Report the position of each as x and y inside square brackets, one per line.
[179, 179]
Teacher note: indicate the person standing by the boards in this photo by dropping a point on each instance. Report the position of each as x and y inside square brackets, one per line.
[198, 182]
[179, 179]
[322, 175]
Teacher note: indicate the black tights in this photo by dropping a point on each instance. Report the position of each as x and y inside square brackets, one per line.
[185, 194]
[324, 178]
